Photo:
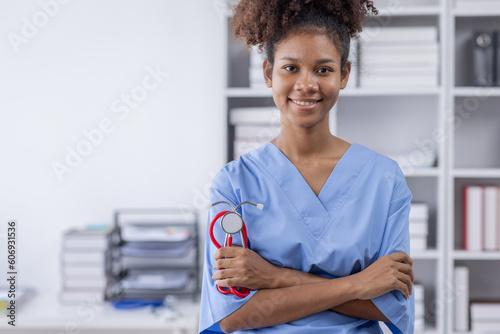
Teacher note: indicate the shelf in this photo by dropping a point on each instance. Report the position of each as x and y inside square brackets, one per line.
[476, 172]
[410, 11]
[476, 91]
[480, 11]
[430, 254]
[418, 172]
[389, 91]
[470, 255]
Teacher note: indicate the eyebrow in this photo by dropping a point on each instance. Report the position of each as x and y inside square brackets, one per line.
[319, 61]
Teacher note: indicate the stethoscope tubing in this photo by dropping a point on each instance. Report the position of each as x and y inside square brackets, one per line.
[232, 290]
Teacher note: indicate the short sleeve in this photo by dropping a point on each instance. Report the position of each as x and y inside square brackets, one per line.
[399, 310]
[215, 306]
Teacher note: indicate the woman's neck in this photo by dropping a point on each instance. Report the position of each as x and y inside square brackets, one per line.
[303, 144]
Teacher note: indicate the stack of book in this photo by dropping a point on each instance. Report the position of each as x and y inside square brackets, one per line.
[84, 263]
[475, 4]
[481, 224]
[399, 56]
[418, 290]
[255, 71]
[354, 59]
[419, 226]
[461, 294]
[253, 127]
[485, 317]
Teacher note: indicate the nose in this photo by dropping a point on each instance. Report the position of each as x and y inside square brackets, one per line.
[306, 82]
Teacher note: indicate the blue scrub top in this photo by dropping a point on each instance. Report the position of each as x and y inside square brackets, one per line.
[360, 215]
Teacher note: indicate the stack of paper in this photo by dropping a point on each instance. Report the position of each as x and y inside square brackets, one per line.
[418, 290]
[485, 317]
[481, 218]
[399, 56]
[255, 71]
[419, 226]
[475, 4]
[84, 258]
[253, 127]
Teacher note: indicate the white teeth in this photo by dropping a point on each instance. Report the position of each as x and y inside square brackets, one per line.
[304, 103]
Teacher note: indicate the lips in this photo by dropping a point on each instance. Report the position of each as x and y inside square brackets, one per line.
[305, 104]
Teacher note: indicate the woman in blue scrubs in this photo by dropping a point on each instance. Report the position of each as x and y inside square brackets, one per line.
[328, 253]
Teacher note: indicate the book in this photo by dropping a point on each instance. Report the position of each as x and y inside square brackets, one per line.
[418, 228]
[256, 132]
[83, 238]
[497, 60]
[473, 225]
[406, 35]
[491, 218]
[485, 311]
[75, 257]
[82, 270]
[418, 242]
[399, 80]
[492, 327]
[461, 293]
[419, 212]
[84, 282]
[354, 59]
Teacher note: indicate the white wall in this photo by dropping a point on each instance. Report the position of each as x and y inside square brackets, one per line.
[64, 79]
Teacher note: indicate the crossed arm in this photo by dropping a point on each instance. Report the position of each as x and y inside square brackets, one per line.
[286, 294]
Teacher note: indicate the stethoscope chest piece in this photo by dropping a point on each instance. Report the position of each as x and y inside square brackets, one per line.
[231, 223]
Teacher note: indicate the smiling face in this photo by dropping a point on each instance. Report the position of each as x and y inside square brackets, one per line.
[306, 79]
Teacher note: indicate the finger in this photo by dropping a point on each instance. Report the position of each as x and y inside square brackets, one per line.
[226, 283]
[227, 252]
[401, 257]
[403, 288]
[225, 263]
[405, 268]
[224, 274]
[406, 280]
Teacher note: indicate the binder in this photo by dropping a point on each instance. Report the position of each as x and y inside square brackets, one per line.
[474, 218]
[497, 60]
[483, 58]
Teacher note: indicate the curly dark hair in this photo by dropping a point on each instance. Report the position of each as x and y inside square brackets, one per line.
[266, 23]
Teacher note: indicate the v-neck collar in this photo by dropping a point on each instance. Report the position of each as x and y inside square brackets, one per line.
[296, 187]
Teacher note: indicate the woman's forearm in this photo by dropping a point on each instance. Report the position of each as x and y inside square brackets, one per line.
[270, 307]
[362, 309]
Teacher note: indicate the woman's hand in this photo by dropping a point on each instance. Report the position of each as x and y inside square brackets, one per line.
[388, 273]
[243, 267]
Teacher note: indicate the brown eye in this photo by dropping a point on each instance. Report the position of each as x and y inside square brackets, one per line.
[324, 70]
[289, 68]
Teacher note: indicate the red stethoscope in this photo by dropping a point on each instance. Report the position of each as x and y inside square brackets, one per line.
[232, 223]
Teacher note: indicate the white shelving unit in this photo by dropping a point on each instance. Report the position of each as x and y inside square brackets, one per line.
[473, 154]
[408, 114]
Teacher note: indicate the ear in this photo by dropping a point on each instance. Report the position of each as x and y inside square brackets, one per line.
[268, 71]
[345, 74]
